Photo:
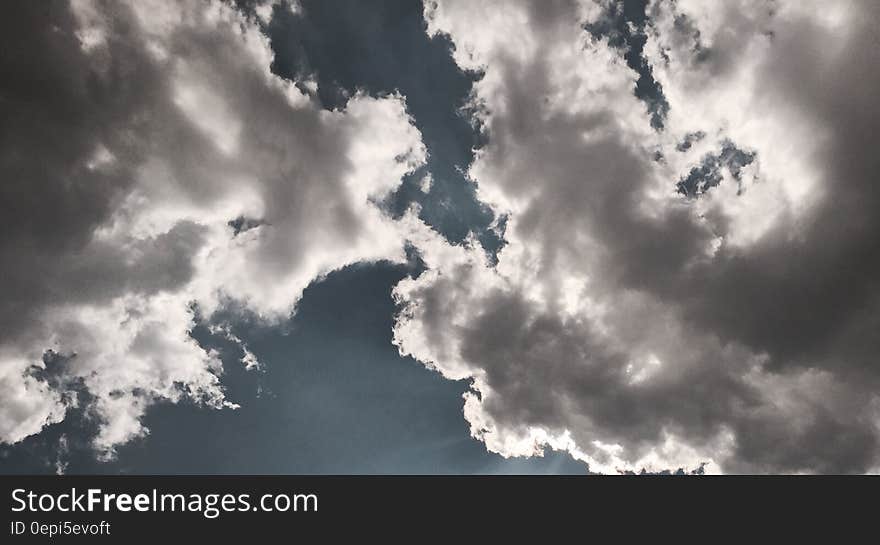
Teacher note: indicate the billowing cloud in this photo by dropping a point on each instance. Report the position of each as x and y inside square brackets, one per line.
[153, 165]
[701, 291]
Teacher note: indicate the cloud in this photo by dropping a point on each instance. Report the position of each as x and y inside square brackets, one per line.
[153, 165]
[636, 326]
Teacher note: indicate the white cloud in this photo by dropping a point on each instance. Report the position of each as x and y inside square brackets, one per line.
[192, 131]
[28, 405]
[625, 323]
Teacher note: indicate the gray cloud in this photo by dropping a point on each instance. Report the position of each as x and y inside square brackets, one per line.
[656, 305]
[637, 328]
[134, 134]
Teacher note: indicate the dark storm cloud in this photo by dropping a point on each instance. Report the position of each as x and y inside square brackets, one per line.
[652, 330]
[817, 294]
[62, 111]
[58, 108]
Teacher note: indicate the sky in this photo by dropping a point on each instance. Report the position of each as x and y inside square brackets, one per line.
[568, 236]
